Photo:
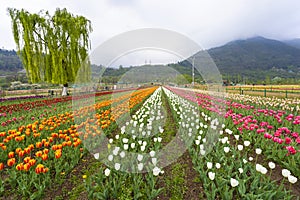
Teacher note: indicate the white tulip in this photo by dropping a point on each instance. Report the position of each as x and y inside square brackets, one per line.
[218, 165]
[140, 157]
[140, 166]
[226, 149]
[202, 152]
[122, 154]
[110, 157]
[209, 165]
[263, 170]
[241, 170]
[156, 171]
[246, 143]
[125, 146]
[285, 173]
[292, 179]
[96, 155]
[107, 172]
[237, 137]
[234, 182]
[159, 139]
[272, 165]
[211, 175]
[116, 150]
[250, 158]
[132, 145]
[258, 151]
[240, 147]
[258, 167]
[117, 166]
[152, 153]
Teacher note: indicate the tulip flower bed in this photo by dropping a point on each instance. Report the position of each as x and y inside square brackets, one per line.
[131, 151]
[240, 147]
[14, 113]
[37, 154]
[236, 149]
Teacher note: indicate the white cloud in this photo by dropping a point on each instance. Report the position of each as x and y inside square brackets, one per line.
[208, 22]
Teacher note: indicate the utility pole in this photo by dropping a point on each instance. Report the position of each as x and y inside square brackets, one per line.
[193, 71]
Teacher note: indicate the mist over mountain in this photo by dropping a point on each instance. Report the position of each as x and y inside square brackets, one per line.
[252, 59]
[293, 42]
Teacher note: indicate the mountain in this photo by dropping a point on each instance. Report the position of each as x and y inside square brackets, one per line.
[293, 42]
[256, 58]
[9, 62]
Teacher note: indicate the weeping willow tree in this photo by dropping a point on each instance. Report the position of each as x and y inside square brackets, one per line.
[53, 49]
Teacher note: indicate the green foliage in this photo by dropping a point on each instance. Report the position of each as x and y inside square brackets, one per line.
[9, 61]
[52, 48]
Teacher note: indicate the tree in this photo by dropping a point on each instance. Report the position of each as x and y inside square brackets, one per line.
[52, 48]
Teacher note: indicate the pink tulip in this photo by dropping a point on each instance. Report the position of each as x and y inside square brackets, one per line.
[268, 136]
[291, 150]
[288, 140]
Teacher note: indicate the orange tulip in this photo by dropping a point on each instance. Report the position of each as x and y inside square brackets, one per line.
[32, 162]
[31, 146]
[21, 153]
[26, 166]
[27, 159]
[39, 168]
[18, 150]
[50, 139]
[20, 167]
[36, 135]
[44, 157]
[11, 162]
[38, 153]
[54, 147]
[45, 170]
[11, 154]
[46, 151]
[1, 166]
[46, 144]
[27, 150]
[38, 145]
[54, 135]
[57, 154]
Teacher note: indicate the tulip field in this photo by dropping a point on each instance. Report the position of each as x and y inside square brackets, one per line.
[158, 142]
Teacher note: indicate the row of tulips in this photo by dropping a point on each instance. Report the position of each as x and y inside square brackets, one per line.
[48, 148]
[228, 166]
[131, 149]
[276, 131]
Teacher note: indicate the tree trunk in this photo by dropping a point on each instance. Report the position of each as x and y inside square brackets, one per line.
[65, 90]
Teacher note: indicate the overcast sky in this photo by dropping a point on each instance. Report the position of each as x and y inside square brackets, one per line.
[208, 22]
